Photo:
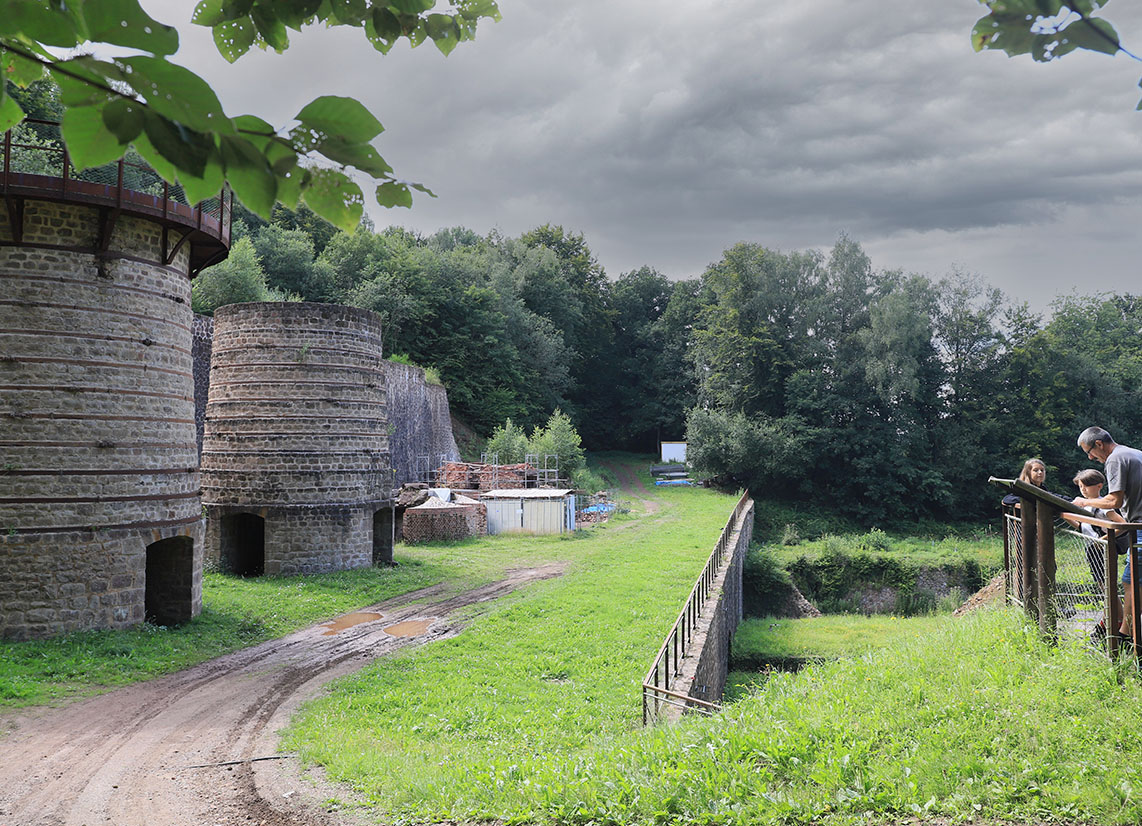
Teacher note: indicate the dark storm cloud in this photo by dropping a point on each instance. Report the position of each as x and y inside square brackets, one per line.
[666, 132]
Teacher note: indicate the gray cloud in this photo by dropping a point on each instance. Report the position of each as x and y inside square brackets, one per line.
[666, 132]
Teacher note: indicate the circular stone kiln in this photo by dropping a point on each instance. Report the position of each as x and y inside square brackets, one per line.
[295, 458]
[100, 513]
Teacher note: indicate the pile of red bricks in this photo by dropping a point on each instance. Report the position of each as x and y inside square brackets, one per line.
[474, 476]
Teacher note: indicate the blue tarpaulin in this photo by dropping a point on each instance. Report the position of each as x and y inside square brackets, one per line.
[672, 482]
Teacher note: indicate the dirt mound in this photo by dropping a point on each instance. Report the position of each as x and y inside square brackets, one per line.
[992, 592]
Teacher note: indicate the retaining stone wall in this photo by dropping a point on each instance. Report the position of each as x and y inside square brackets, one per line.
[707, 662]
[97, 419]
[419, 420]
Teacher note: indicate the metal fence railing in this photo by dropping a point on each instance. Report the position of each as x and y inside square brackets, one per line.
[33, 157]
[1068, 580]
[659, 687]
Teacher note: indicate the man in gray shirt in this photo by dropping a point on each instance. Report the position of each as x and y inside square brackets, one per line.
[1124, 492]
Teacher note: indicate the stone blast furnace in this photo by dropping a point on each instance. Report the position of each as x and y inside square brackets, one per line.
[100, 514]
[296, 476]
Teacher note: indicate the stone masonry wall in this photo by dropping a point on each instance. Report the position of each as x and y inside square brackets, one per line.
[419, 420]
[97, 446]
[296, 429]
[706, 664]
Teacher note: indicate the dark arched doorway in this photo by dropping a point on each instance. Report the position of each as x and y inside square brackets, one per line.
[169, 591]
[243, 544]
[383, 537]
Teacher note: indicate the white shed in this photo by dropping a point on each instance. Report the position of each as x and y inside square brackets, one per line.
[534, 510]
[672, 452]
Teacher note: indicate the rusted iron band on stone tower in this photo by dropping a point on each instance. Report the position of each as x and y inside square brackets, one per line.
[296, 476]
[100, 511]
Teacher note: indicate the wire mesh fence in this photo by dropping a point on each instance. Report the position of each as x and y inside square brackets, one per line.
[36, 147]
[1079, 596]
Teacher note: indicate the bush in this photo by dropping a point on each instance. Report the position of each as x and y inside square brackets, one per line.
[764, 582]
[560, 438]
[508, 444]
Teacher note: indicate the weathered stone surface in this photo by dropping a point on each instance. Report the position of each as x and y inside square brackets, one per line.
[296, 435]
[96, 420]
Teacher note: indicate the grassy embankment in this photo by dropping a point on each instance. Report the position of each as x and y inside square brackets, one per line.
[929, 717]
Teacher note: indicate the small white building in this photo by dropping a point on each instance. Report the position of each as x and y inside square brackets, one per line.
[531, 510]
[672, 452]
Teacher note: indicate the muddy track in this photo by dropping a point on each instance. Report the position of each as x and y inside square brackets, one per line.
[188, 749]
[632, 485]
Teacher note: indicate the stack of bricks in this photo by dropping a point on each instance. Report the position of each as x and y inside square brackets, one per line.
[436, 521]
[456, 475]
[499, 477]
[477, 514]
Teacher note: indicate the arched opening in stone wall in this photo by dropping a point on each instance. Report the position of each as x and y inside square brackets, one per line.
[169, 594]
[383, 536]
[243, 544]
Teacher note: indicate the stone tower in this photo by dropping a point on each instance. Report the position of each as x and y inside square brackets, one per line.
[296, 475]
[100, 509]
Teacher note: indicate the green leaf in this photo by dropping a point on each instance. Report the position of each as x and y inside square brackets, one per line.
[19, 70]
[40, 22]
[443, 31]
[233, 9]
[89, 141]
[335, 198]
[340, 117]
[78, 80]
[1094, 34]
[185, 149]
[295, 13]
[208, 185]
[124, 118]
[249, 173]
[234, 38]
[124, 23]
[359, 155]
[270, 27]
[177, 93]
[394, 194]
[255, 130]
[480, 8]
[290, 175]
[412, 6]
[418, 34]
[208, 13]
[383, 29]
[165, 169]
[10, 111]
[348, 12]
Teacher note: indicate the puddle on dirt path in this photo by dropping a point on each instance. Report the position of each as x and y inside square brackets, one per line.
[348, 621]
[408, 628]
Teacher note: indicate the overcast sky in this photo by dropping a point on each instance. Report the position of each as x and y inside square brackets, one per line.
[665, 132]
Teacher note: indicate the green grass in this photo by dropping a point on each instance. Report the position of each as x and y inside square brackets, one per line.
[984, 548]
[236, 613]
[555, 670]
[770, 642]
[977, 721]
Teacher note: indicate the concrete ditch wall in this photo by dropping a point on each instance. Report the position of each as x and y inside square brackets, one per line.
[707, 661]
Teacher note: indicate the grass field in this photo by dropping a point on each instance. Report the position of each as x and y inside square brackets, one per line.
[554, 671]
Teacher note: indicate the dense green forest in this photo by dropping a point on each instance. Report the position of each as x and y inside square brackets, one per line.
[806, 376]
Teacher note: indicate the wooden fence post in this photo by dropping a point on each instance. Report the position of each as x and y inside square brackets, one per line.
[1027, 532]
[1046, 570]
[1110, 595]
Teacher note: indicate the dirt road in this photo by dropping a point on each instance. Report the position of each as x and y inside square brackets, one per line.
[186, 750]
[632, 485]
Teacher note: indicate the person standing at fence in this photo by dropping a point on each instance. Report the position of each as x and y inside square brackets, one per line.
[1090, 482]
[1034, 473]
[1124, 484]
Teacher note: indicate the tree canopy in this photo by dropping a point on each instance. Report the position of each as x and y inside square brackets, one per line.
[173, 118]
